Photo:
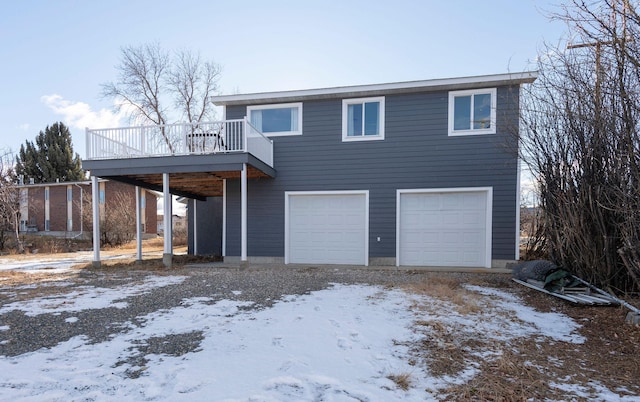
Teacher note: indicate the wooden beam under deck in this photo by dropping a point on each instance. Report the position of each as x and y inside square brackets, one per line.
[196, 185]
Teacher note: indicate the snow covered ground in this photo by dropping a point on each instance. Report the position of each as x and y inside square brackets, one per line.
[344, 343]
[56, 264]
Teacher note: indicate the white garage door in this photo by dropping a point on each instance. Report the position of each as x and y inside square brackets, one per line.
[444, 229]
[327, 228]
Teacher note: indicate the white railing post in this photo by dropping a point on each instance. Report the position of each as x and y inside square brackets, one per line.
[245, 131]
[87, 143]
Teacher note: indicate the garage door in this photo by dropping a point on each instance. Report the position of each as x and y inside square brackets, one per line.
[327, 228]
[444, 228]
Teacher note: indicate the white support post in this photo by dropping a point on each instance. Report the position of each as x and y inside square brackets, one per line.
[195, 227]
[167, 256]
[224, 217]
[138, 224]
[95, 201]
[243, 214]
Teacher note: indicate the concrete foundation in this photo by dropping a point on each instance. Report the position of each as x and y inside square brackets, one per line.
[167, 260]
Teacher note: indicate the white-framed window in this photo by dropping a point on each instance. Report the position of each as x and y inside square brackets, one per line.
[277, 120]
[363, 119]
[472, 112]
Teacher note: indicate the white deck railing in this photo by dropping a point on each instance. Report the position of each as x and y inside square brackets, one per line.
[228, 136]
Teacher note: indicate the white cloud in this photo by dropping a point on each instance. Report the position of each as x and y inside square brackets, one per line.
[24, 126]
[80, 115]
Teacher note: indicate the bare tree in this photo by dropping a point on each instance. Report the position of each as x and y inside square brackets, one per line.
[117, 219]
[581, 139]
[159, 87]
[9, 203]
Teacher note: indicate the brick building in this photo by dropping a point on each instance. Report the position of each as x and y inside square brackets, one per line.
[56, 209]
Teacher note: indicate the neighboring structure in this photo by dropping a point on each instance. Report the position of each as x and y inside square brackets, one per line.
[56, 209]
[178, 223]
[420, 173]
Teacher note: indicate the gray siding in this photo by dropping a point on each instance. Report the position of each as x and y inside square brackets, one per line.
[209, 226]
[416, 153]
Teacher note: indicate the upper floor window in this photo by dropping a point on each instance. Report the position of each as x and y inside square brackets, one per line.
[363, 119]
[472, 112]
[275, 120]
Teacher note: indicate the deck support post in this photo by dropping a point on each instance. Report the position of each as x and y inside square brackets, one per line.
[195, 227]
[95, 204]
[224, 218]
[167, 256]
[138, 224]
[243, 214]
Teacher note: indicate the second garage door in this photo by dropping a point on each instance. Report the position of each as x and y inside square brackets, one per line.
[447, 228]
[327, 228]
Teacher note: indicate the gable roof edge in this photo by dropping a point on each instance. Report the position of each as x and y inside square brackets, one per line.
[378, 89]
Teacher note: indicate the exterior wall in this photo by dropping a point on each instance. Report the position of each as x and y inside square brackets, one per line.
[58, 205]
[81, 194]
[57, 208]
[150, 213]
[416, 153]
[36, 207]
[209, 226]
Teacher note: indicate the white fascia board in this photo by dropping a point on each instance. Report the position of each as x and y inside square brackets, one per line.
[369, 90]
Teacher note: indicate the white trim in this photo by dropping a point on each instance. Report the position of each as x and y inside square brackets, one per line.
[297, 105]
[368, 90]
[345, 120]
[95, 210]
[471, 92]
[288, 194]
[488, 221]
[168, 218]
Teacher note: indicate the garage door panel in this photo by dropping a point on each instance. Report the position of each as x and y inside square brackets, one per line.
[443, 228]
[327, 228]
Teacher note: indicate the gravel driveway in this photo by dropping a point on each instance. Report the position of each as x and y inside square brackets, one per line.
[262, 286]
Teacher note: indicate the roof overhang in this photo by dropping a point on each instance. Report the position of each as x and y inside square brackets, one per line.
[379, 89]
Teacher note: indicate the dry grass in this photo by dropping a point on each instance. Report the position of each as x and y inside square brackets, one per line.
[402, 380]
[524, 368]
[448, 289]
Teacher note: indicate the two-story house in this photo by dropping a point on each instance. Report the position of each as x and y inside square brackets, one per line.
[421, 173]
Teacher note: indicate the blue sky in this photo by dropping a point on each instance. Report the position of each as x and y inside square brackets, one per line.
[56, 54]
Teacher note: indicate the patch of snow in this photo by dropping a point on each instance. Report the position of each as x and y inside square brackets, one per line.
[553, 325]
[89, 297]
[71, 320]
[587, 392]
[54, 265]
[334, 344]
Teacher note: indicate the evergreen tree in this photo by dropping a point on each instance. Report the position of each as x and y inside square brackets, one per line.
[51, 158]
